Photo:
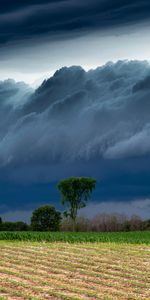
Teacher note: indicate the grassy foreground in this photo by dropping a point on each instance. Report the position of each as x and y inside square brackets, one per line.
[55, 271]
[142, 237]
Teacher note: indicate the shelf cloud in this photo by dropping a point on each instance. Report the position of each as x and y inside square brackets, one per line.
[75, 115]
[76, 123]
[89, 118]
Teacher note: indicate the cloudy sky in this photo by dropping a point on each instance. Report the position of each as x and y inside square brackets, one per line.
[90, 117]
[38, 37]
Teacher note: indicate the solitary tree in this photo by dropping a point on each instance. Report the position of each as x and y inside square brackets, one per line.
[75, 193]
[45, 218]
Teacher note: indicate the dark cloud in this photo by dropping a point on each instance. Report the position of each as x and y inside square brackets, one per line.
[75, 116]
[98, 109]
[142, 85]
[78, 123]
[12, 95]
[7, 5]
[21, 20]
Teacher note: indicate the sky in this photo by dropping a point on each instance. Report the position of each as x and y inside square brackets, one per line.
[74, 101]
[39, 37]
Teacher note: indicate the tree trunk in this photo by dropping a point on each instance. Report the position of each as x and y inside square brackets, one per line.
[73, 216]
[73, 225]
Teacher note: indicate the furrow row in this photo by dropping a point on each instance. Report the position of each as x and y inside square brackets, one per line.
[139, 268]
[110, 282]
[109, 269]
[79, 293]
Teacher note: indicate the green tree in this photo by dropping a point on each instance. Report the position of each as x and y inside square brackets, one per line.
[75, 193]
[45, 218]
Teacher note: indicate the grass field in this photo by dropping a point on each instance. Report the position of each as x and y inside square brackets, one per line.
[141, 237]
[60, 270]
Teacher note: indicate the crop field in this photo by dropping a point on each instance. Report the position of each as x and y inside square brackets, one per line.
[141, 237]
[58, 270]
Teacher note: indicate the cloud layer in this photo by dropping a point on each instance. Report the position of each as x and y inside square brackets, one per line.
[76, 123]
[77, 115]
[23, 20]
[138, 207]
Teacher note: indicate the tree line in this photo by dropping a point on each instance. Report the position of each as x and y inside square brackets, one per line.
[75, 192]
[99, 223]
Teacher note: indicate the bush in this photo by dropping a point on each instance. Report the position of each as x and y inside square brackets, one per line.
[46, 218]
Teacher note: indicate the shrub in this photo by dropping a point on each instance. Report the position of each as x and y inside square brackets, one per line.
[46, 218]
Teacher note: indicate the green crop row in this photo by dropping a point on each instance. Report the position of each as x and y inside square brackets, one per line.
[140, 237]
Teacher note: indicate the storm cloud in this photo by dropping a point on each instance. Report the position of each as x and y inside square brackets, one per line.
[84, 120]
[25, 20]
[76, 123]
[76, 116]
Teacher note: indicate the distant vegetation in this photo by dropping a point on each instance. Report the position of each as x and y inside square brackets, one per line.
[107, 223]
[75, 193]
[13, 226]
[99, 223]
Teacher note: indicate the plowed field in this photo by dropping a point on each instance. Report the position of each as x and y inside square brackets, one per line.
[74, 271]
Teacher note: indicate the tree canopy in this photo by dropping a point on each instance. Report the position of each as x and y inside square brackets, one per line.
[45, 218]
[75, 192]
